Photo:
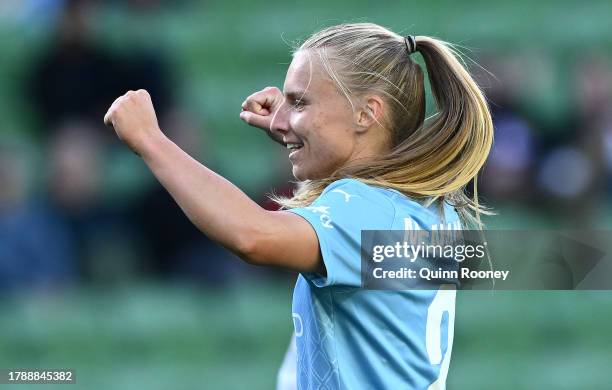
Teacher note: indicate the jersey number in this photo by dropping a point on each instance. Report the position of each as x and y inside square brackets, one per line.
[444, 301]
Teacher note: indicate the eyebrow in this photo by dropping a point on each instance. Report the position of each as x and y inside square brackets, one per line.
[295, 95]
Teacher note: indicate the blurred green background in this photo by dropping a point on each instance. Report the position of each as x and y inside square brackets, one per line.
[157, 337]
[104, 300]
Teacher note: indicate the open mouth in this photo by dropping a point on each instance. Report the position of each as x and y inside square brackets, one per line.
[294, 149]
[294, 146]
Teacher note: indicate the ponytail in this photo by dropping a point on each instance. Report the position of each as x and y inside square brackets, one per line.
[461, 133]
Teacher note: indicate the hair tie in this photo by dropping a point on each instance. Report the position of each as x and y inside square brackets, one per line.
[411, 45]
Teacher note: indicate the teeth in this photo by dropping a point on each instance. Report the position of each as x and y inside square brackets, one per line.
[294, 146]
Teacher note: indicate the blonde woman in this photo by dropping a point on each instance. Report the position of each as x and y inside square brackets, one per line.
[352, 115]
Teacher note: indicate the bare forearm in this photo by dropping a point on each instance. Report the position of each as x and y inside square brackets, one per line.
[214, 205]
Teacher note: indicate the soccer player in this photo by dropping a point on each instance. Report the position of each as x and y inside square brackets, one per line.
[352, 115]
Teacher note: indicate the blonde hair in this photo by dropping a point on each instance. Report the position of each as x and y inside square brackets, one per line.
[431, 159]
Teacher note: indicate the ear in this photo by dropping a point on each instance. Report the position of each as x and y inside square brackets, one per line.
[370, 113]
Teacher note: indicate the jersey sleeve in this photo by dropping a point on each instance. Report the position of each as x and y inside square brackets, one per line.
[338, 216]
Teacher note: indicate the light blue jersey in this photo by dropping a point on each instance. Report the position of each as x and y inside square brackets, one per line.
[352, 338]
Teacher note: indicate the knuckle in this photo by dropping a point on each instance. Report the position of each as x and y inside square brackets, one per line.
[257, 97]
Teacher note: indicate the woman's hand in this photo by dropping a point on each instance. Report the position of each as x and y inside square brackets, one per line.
[133, 118]
[259, 109]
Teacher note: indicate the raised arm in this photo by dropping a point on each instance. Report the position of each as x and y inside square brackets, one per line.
[216, 207]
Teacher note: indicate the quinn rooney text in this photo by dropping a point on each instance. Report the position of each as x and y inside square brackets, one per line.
[431, 274]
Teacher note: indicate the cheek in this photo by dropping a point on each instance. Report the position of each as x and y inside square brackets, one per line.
[303, 123]
[327, 139]
[333, 139]
[325, 154]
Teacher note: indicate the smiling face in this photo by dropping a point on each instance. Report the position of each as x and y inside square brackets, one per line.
[316, 120]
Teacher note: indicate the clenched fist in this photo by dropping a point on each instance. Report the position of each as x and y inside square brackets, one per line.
[260, 108]
[133, 118]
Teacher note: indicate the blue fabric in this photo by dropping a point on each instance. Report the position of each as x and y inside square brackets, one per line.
[352, 338]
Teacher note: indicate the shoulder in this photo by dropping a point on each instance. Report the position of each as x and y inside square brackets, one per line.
[350, 202]
[392, 203]
[353, 190]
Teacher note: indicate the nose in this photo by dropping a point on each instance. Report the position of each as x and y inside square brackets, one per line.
[280, 119]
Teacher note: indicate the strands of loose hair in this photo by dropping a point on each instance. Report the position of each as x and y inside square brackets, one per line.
[432, 159]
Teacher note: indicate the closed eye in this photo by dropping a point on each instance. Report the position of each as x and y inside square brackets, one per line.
[298, 105]
[296, 99]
